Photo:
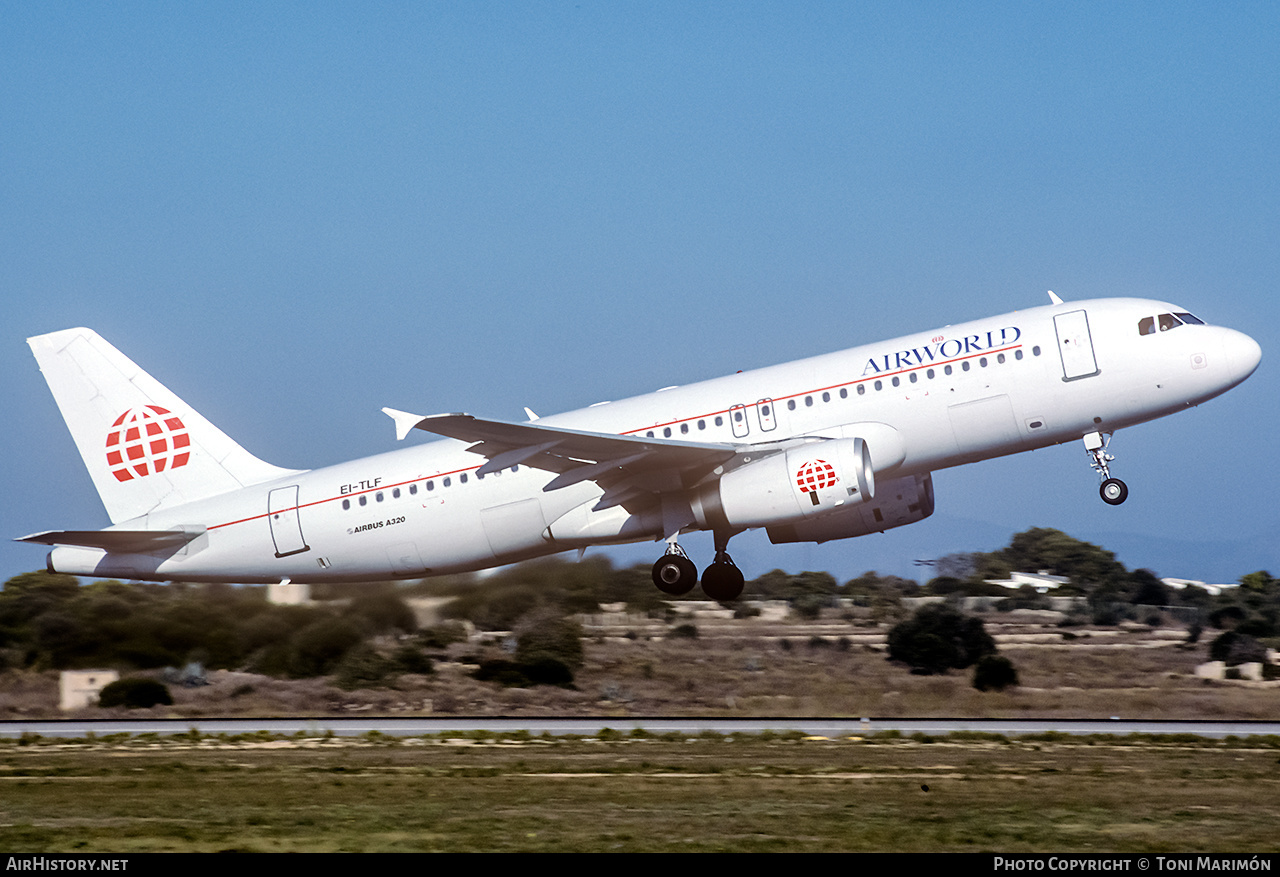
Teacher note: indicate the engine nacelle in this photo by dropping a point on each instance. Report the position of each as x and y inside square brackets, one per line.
[898, 502]
[818, 478]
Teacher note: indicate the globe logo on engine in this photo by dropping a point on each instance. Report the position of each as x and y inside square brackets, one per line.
[146, 440]
[815, 476]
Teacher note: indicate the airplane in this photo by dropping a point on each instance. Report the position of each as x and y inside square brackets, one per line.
[829, 447]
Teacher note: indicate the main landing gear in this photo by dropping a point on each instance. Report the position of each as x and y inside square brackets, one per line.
[1113, 491]
[675, 573]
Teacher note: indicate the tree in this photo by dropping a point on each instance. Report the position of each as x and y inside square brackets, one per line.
[1148, 590]
[1042, 548]
[384, 612]
[937, 638]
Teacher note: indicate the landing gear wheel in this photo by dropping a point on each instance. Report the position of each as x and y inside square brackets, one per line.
[675, 574]
[722, 580]
[1114, 491]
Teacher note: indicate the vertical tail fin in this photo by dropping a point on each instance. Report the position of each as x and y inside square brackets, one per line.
[144, 447]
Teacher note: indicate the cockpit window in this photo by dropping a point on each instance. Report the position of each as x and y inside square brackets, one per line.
[1165, 322]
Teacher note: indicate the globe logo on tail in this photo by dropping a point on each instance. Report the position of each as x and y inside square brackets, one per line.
[146, 440]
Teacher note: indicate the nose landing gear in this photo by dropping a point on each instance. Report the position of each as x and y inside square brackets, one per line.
[1113, 491]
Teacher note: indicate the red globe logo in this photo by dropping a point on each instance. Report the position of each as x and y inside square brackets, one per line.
[146, 440]
[815, 476]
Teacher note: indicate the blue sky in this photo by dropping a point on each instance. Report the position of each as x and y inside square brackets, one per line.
[295, 214]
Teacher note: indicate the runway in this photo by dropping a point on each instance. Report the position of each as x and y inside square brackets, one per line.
[593, 726]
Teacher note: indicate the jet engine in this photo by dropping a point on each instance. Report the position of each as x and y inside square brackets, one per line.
[818, 478]
[897, 502]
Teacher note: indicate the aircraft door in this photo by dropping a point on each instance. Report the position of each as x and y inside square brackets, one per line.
[738, 420]
[765, 411]
[286, 528]
[1075, 346]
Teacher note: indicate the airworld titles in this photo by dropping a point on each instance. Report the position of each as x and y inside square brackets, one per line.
[942, 349]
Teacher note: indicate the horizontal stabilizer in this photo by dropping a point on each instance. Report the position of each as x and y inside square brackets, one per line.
[118, 541]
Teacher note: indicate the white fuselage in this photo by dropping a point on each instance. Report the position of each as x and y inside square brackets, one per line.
[948, 396]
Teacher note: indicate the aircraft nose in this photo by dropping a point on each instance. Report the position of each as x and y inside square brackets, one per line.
[1242, 353]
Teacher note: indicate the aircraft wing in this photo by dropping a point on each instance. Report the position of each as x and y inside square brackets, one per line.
[622, 464]
[122, 541]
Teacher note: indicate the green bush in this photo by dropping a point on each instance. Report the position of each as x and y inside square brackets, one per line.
[363, 667]
[559, 639]
[546, 670]
[542, 670]
[994, 673]
[134, 693]
[1234, 648]
[938, 638]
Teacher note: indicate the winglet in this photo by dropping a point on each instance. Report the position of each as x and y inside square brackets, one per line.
[529, 411]
[404, 421]
[1053, 298]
